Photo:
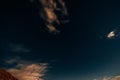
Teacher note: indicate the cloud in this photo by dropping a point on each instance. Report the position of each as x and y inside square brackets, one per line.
[12, 61]
[26, 70]
[110, 78]
[53, 13]
[111, 34]
[18, 48]
[51, 28]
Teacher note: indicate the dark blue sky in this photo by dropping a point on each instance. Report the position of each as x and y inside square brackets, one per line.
[79, 52]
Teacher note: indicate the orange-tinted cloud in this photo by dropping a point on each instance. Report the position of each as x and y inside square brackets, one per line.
[29, 72]
[25, 70]
[53, 13]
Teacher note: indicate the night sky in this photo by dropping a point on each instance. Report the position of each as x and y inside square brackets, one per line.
[81, 51]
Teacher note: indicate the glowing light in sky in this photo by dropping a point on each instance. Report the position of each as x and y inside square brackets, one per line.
[111, 34]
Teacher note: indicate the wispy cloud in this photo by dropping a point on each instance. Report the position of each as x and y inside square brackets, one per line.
[53, 12]
[18, 48]
[26, 70]
[12, 61]
[110, 78]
